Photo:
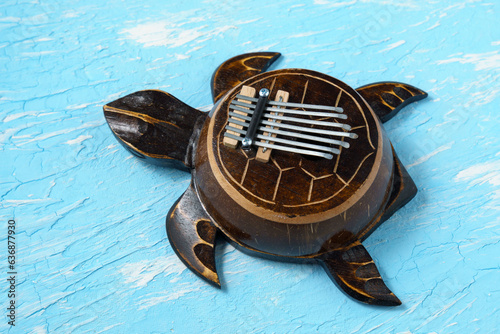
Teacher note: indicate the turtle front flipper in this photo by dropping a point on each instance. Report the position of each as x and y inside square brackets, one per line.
[155, 126]
[192, 235]
[388, 98]
[355, 272]
[237, 69]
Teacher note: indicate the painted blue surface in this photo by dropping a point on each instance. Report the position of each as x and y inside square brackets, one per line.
[92, 252]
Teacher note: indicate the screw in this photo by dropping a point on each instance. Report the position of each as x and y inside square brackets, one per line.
[246, 143]
[264, 92]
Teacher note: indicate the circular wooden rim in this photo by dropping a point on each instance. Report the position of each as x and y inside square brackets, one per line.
[276, 216]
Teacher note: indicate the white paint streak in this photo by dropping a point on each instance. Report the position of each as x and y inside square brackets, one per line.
[141, 273]
[427, 18]
[107, 328]
[70, 14]
[248, 21]
[146, 303]
[78, 140]
[484, 61]
[264, 48]
[437, 24]
[488, 172]
[12, 117]
[332, 3]
[10, 19]
[55, 216]
[78, 106]
[37, 54]
[171, 35]
[393, 46]
[181, 56]
[19, 202]
[61, 132]
[430, 155]
[439, 313]
[38, 330]
[307, 34]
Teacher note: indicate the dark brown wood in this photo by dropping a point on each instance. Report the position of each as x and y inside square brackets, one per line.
[238, 69]
[388, 98]
[292, 206]
[354, 271]
[404, 189]
[155, 126]
[283, 224]
[192, 234]
[298, 206]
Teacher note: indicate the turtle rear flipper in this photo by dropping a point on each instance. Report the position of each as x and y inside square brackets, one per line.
[388, 98]
[155, 126]
[192, 235]
[403, 189]
[355, 272]
[237, 69]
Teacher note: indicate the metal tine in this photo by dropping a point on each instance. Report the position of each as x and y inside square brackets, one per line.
[243, 104]
[236, 105]
[247, 111]
[238, 123]
[303, 105]
[229, 127]
[303, 136]
[298, 120]
[309, 121]
[298, 143]
[285, 148]
[311, 130]
[285, 141]
[293, 105]
[246, 98]
[294, 134]
[301, 120]
[235, 115]
[230, 135]
[295, 150]
[307, 113]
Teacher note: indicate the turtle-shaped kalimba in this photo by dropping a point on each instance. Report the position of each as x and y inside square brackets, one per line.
[290, 164]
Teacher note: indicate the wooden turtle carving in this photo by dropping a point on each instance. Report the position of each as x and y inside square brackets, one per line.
[290, 164]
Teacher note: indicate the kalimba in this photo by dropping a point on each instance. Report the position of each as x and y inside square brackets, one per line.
[289, 164]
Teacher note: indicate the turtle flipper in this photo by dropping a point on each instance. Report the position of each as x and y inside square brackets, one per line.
[388, 98]
[155, 126]
[355, 272]
[237, 69]
[403, 189]
[192, 235]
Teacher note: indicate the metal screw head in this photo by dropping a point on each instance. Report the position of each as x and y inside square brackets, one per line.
[246, 142]
[264, 92]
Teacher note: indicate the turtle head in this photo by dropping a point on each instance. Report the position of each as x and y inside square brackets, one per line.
[156, 127]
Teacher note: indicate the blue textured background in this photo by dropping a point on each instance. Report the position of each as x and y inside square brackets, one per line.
[93, 255]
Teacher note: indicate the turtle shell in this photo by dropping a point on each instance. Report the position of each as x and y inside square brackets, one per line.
[296, 205]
